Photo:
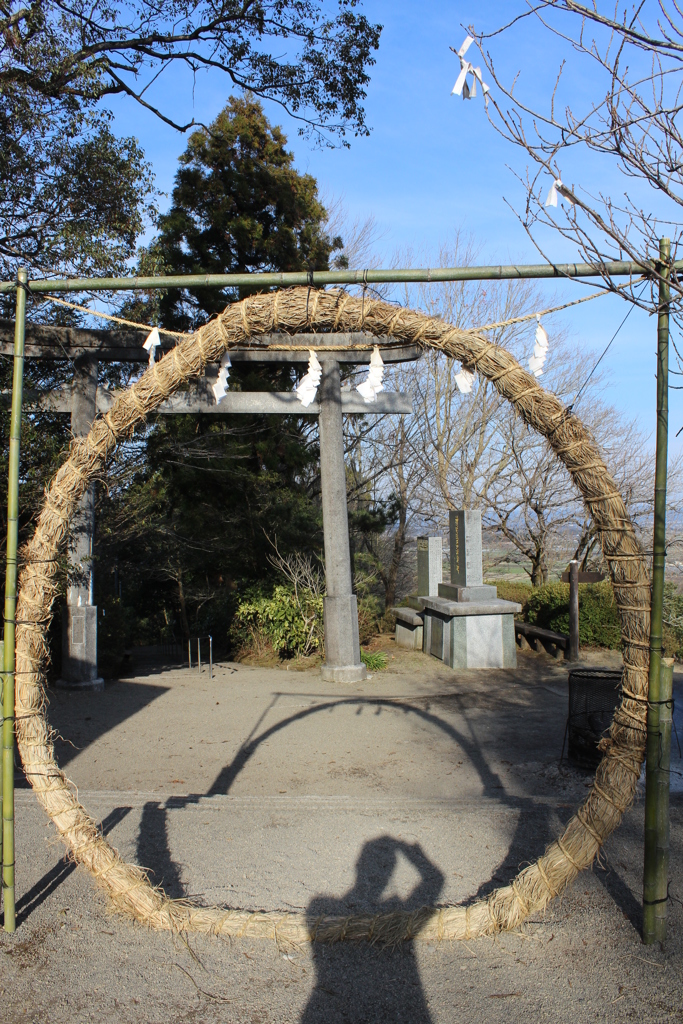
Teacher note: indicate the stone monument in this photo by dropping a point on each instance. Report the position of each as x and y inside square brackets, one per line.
[429, 565]
[410, 621]
[466, 625]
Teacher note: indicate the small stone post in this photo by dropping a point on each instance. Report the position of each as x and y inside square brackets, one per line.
[79, 619]
[342, 647]
[429, 565]
[573, 610]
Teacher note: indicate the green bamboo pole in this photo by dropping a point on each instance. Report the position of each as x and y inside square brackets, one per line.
[10, 610]
[2, 694]
[656, 883]
[615, 268]
[654, 904]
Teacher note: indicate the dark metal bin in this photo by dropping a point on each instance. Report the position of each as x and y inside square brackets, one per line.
[593, 696]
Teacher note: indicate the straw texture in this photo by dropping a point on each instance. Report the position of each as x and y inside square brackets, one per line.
[303, 309]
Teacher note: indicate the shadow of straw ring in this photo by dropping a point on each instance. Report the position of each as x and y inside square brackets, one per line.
[291, 311]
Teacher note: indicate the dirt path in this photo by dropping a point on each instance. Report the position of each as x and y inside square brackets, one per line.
[270, 789]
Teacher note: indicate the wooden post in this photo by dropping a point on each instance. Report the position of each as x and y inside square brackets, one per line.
[573, 610]
[656, 805]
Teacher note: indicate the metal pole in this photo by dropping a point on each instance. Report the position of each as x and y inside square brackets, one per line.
[10, 610]
[573, 610]
[189, 653]
[320, 278]
[653, 908]
[199, 653]
[210, 656]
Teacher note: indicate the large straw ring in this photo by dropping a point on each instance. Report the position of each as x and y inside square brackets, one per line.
[615, 782]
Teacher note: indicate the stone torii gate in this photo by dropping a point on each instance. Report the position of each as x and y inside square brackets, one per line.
[87, 348]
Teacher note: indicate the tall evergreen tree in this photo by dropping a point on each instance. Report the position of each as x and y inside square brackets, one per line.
[194, 515]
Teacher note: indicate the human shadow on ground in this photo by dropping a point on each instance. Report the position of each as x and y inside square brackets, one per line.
[536, 821]
[53, 878]
[353, 982]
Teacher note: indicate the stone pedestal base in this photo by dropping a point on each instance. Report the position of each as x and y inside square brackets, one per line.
[342, 649]
[79, 648]
[344, 673]
[470, 634]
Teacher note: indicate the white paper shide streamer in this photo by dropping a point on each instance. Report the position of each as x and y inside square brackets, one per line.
[464, 380]
[462, 87]
[220, 387]
[372, 385]
[537, 360]
[308, 385]
[553, 194]
[152, 343]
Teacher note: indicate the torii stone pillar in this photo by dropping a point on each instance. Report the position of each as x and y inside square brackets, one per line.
[342, 647]
[79, 616]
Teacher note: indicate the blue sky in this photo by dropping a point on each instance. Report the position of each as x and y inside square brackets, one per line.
[433, 165]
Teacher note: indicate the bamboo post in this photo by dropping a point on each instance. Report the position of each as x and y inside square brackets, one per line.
[654, 904]
[2, 691]
[573, 610]
[655, 888]
[10, 609]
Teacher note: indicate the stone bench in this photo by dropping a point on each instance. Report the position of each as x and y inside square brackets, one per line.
[409, 628]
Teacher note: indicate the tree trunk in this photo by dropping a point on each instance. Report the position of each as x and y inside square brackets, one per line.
[397, 555]
[184, 624]
[539, 571]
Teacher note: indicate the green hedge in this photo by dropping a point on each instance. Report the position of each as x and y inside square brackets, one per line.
[548, 607]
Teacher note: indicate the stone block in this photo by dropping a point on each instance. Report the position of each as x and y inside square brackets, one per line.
[453, 592]
[409, 628]
[468, 635]
[79, 648]
[429, 565]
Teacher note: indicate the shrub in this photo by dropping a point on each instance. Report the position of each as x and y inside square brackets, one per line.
[286, 621]
[548, 607]
[370, 617]
[673, 621]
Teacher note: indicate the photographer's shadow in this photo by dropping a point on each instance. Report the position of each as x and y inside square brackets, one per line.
[357, 981]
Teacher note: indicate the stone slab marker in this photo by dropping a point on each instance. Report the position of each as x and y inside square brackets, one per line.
[342, 646]
[79, 616]
[429, 565]
[466, 564]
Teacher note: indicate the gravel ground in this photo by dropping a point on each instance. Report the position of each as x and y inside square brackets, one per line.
[270, 789]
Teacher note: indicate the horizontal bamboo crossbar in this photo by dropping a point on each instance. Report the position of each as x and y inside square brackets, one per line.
[320, 278]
